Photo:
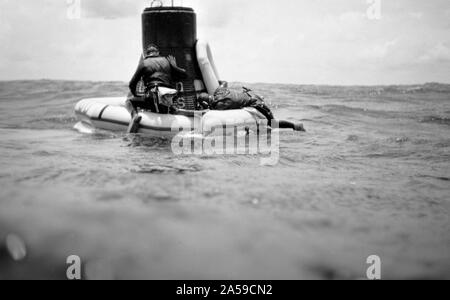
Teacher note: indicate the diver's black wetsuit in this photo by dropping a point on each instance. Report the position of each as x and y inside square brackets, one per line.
[155, 71]
[225, 99]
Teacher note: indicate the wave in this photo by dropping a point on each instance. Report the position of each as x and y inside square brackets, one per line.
[441, 178]
[165, 169]
[332, 90]
[436, 120]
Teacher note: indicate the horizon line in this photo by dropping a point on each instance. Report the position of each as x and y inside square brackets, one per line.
[234, 82]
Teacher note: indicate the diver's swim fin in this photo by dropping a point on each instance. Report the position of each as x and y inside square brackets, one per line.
[299, 127]
[289, 125]
[134, 124]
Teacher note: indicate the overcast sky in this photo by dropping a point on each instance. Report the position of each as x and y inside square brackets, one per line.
[283, 41]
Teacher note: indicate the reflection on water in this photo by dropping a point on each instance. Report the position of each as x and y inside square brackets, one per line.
[370, 177]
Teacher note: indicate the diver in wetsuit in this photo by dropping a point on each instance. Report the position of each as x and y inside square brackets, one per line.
[156, 71]
[226, 99]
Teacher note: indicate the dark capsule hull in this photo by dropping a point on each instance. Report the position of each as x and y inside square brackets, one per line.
[174, 31]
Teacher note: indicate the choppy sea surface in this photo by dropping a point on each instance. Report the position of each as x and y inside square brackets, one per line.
[370, 177]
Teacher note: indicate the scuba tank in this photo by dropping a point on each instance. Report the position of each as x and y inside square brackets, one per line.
[174, 31]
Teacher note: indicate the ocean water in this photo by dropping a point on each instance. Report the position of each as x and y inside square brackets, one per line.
[371, 176]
